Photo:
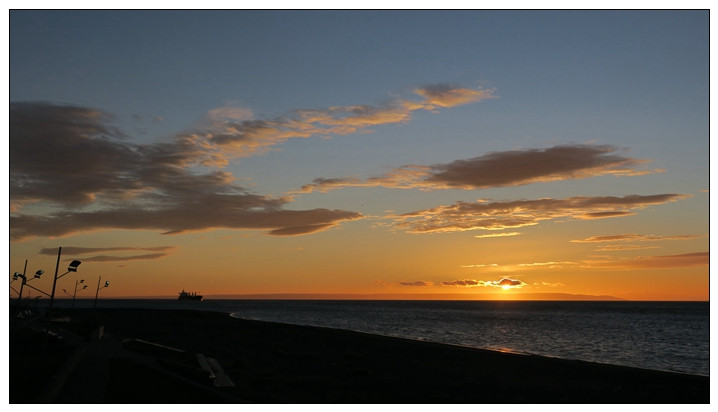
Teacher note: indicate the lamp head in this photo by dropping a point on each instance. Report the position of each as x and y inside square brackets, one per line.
[39, 273]
[107, 283]
[73, 266]
[16, 275]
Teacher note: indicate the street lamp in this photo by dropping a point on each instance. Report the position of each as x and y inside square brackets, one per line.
[25, 281]
[71, 268]
[14, 278]
[107, 284]
[74, 294]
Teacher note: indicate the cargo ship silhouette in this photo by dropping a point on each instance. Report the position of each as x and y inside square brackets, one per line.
[189, 296]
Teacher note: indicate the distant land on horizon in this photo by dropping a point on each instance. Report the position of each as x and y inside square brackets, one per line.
[416, 296]
[396, 296]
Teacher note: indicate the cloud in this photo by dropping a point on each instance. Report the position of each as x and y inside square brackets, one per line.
[249, 136]
[105, 258]
[229, 213]
[85, 172]
[421, 283]
[522, 266]
[481, 265]
[229, 113]
[499, 169]
[616, 248]
[629, 237]
[463, 216]
[444, 95]
[510, 282]
[632, 237]
[653, 262]
[519, 167]
[549, 264]
[406, 177]
[300, 229]
[72, 250]
[464, 282]
[502, 234]
[549, 284]
[75, 251]
[503, 282]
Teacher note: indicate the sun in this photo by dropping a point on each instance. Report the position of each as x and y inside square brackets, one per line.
[505, 287]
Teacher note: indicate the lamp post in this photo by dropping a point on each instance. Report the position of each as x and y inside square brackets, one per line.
[25, 281]
[107, 284]
[74, 294]
[17, 275]
[71, 268]
[14, 278]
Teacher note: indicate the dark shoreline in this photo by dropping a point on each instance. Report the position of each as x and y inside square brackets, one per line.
[281, 363]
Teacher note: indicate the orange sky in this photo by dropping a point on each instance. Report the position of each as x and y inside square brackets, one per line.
[362, 153]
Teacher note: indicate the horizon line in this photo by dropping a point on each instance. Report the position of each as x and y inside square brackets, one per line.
[410, 297]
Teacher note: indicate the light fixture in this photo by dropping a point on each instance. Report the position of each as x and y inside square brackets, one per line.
[73, 266]
[107, 284]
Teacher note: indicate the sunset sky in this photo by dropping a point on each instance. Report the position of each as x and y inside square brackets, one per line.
[495, 154]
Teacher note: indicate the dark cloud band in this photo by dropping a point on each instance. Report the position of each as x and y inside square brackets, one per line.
[72, 158]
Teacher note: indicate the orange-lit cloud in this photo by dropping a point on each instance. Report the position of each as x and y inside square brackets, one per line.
[521, 266]
[549, 264]
[444, 95]
[245, 137]
[653, 262]
[463, 216]
[107, 258]
[616, 248]
[503, 282]
[550, 284]
[161, 251]
[464, 282]
[420, 283]
[632, 237]
[499, 169]
[629, 237]
[502, 234]
[72, 250]
[71, 156]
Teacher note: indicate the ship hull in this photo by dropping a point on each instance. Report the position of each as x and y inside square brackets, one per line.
[191, 298]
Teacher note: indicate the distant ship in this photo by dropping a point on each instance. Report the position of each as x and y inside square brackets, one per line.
[189, 296]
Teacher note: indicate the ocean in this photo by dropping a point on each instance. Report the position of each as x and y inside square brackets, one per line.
[669, 336]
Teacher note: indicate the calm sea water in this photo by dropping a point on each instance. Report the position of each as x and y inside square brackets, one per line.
[671, 336]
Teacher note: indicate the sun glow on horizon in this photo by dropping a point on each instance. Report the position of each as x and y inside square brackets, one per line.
[421, 184]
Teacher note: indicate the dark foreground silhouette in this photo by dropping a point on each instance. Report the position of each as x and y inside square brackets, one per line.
[151, 356]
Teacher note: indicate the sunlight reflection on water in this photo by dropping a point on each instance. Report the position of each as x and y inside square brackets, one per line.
[666, 336]
[671, 336]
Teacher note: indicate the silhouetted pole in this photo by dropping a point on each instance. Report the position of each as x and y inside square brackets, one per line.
[54, 282]
[107, 283]
[97, 292]
[22, 285]
[74, 294]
